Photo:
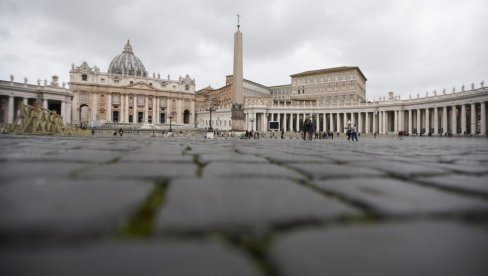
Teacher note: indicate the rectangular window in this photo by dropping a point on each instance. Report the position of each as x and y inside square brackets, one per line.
[187, 87]
[116, 81]
[84, 77]
[131, 82]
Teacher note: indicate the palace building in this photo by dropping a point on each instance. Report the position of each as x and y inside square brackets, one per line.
[127, 94]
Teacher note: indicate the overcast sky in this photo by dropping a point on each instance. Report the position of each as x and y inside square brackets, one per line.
[404, 46]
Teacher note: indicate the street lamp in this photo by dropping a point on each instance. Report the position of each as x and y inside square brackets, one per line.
[211, 107]
[171, 117]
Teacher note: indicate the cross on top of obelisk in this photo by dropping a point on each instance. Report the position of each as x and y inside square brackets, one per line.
[238, 21]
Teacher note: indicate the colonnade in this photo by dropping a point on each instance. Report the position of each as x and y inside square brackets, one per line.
[14, 104]
[458, 118]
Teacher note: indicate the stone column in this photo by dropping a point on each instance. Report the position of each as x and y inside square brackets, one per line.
[290, 123]
[44, 103]
[375, 124]
[463, 119]
[68, 112]
[395, 121]
[353, 119]
[473, 119]
[410, 127]
[427, 121]
[454, 120]
[154, 117]
[436, 121]
[264, 118]
[380, 122]
[254, 122]
[284, 122]
[134, 109]
[360, 123]
[126, 108]
[94, 108]
[63, 111]
[331, 122]
[385, 122]
[338, 121]
[317, 123]
[146, 109]
[418, 121]
[483, 119]
[247, 121]
[444, 120]
[366, 118]
[25, 101]
[109, 107]
[10, 114]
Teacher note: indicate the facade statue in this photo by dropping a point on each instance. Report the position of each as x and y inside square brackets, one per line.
[462, 88]
[482, 83]
[472, 86]
[11, 78]
[444, 91]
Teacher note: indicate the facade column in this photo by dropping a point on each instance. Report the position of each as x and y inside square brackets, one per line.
[409, 121]
[94, 108]
[436, 121]
[427, 121]
[44, 103]
[366, 118]
[134, 109]
[385, 122]
[109, 107]
[290, 122]
[454, 120]
[63, 111]
[126, 114]
[254, 121]
[317, 123]
[483, 119]
[474, 119]
[324, 122]
[264, 119]
[331, 122]
[418, 120]
[360, 123]
[68, 112]
[375, 124]
[463, 119]
[444, 120]
[395, 121]
[154, 117]
[10, 115]
[338, 121]
[380, 122]
[284, 122]
[146, 108]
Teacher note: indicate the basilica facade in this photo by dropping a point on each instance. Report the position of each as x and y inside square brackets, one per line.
[127, 94]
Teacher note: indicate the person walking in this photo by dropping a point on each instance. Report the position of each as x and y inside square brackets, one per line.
[308, 128]
[354, 133]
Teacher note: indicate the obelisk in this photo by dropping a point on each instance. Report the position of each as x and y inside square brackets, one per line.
[237, 83]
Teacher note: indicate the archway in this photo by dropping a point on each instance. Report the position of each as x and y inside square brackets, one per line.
[186, 117]
[84, 113]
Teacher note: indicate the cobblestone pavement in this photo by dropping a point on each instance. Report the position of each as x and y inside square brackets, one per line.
[189, 206]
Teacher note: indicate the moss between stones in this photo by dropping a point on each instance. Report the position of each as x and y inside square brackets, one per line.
[140, 225]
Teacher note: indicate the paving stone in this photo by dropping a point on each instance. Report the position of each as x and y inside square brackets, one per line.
[10, 171]
[58, 207]
[395, 197]
[416, 248]
[475, 184]
[405, 169]
[141, 171]
[245, 204]
[156, 158]
[236, 170]
[328, 170]
[128, 258]
[231, 157]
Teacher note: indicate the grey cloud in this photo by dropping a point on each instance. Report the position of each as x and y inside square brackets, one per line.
[405, 46]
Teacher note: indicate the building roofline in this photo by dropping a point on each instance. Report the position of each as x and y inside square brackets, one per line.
[329, 70]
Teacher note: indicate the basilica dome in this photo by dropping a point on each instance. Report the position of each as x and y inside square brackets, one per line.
[127, 63]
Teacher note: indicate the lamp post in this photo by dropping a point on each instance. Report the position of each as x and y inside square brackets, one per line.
[211, 107]
[171, 115]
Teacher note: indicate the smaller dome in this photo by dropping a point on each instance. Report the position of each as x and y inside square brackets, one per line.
[127, 63]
